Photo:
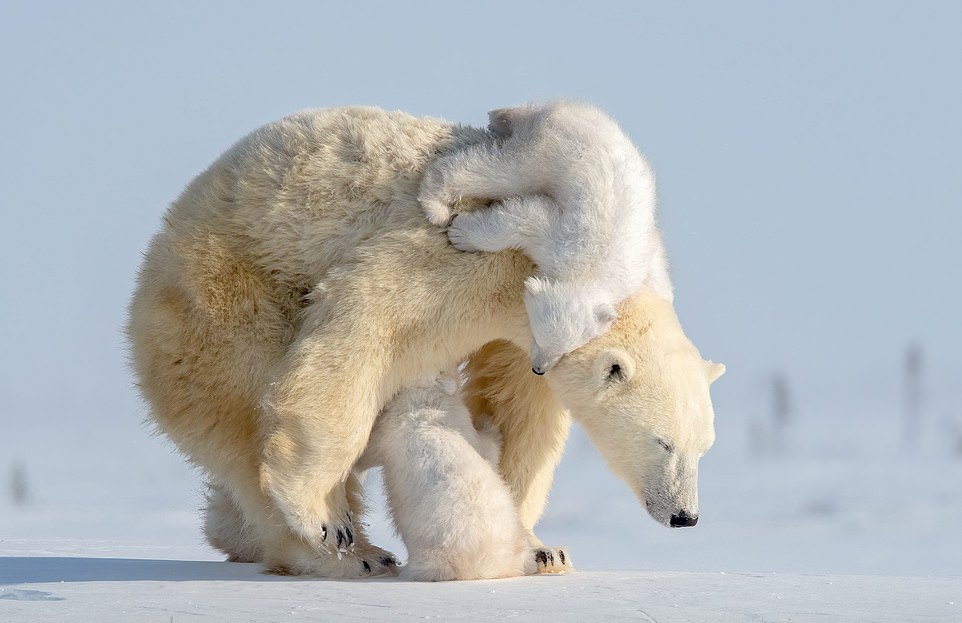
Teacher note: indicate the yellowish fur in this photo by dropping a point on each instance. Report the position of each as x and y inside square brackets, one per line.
[295, 286]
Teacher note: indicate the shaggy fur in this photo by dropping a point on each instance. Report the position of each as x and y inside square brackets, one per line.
[448, 502]
[295, 286]
[573, 193]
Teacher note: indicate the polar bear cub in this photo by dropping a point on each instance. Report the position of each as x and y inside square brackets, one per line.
[572, 192]
[449, 504]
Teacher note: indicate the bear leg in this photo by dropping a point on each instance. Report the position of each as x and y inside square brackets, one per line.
[265, 537]
[226, 530]
[322, 408]
[534, 426]
[381, 561]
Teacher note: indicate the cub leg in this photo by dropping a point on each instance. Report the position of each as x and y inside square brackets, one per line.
[514, 223]
[485, 172]
[487, 441]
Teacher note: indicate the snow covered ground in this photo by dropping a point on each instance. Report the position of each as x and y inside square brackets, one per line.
[147, 590]
[847, 527]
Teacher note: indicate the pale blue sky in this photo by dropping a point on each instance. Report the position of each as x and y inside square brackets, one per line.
[808, 157]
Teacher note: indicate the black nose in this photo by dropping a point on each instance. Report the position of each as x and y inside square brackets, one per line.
[538, 371]
[683, 520]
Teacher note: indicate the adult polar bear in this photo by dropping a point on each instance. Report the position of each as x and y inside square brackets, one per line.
[296, 285]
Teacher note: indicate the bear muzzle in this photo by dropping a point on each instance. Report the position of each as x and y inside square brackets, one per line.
[683, 520]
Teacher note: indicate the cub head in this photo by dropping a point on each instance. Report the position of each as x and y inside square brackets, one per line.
[641, 392]
[563, 317]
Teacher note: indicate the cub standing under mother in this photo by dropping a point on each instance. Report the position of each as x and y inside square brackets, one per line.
[296, 285]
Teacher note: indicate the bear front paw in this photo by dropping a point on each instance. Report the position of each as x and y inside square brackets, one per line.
[326, 527]
[368, 562]
[338, 535]
[376, 562]
[552, 560]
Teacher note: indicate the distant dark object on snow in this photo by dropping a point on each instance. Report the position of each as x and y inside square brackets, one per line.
[19, 491]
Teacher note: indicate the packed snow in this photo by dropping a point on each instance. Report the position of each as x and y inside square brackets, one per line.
[795, 526]
[144, 590]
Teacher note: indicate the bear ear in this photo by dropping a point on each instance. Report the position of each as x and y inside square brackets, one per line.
[614, 366]
[502, 120]
[605, 314]
[715, 370]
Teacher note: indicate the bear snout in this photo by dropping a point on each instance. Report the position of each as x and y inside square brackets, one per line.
[683, 520]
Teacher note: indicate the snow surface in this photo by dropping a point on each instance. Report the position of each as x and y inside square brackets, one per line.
[39, 586]
[847, 527]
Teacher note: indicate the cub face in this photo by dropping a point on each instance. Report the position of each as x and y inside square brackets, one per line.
[641, 393]
[563, 317]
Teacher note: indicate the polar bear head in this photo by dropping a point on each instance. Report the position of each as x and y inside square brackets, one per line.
[563, 317]
[641, 392]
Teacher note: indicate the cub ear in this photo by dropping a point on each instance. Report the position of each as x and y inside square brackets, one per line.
[502, 121]
[535, 285]
[605, 314]
[715, 370]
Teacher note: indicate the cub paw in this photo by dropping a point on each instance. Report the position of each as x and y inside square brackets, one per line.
[437, 212]
[552, 560]
[432, 199]
[460, 237]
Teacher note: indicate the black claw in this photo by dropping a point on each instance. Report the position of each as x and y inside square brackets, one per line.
[350, 535]
[387, 561]
[323, 533]
[541, 557]
[561, 555]
[551, 556]
[367, 567]
[340, 538]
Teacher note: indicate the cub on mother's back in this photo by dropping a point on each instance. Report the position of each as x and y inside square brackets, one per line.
[572, 192]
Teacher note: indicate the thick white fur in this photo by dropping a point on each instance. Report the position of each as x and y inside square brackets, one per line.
[572, 192]
[295, 286]
[449, 505]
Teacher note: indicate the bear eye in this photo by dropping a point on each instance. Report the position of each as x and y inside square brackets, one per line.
[667, 446]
